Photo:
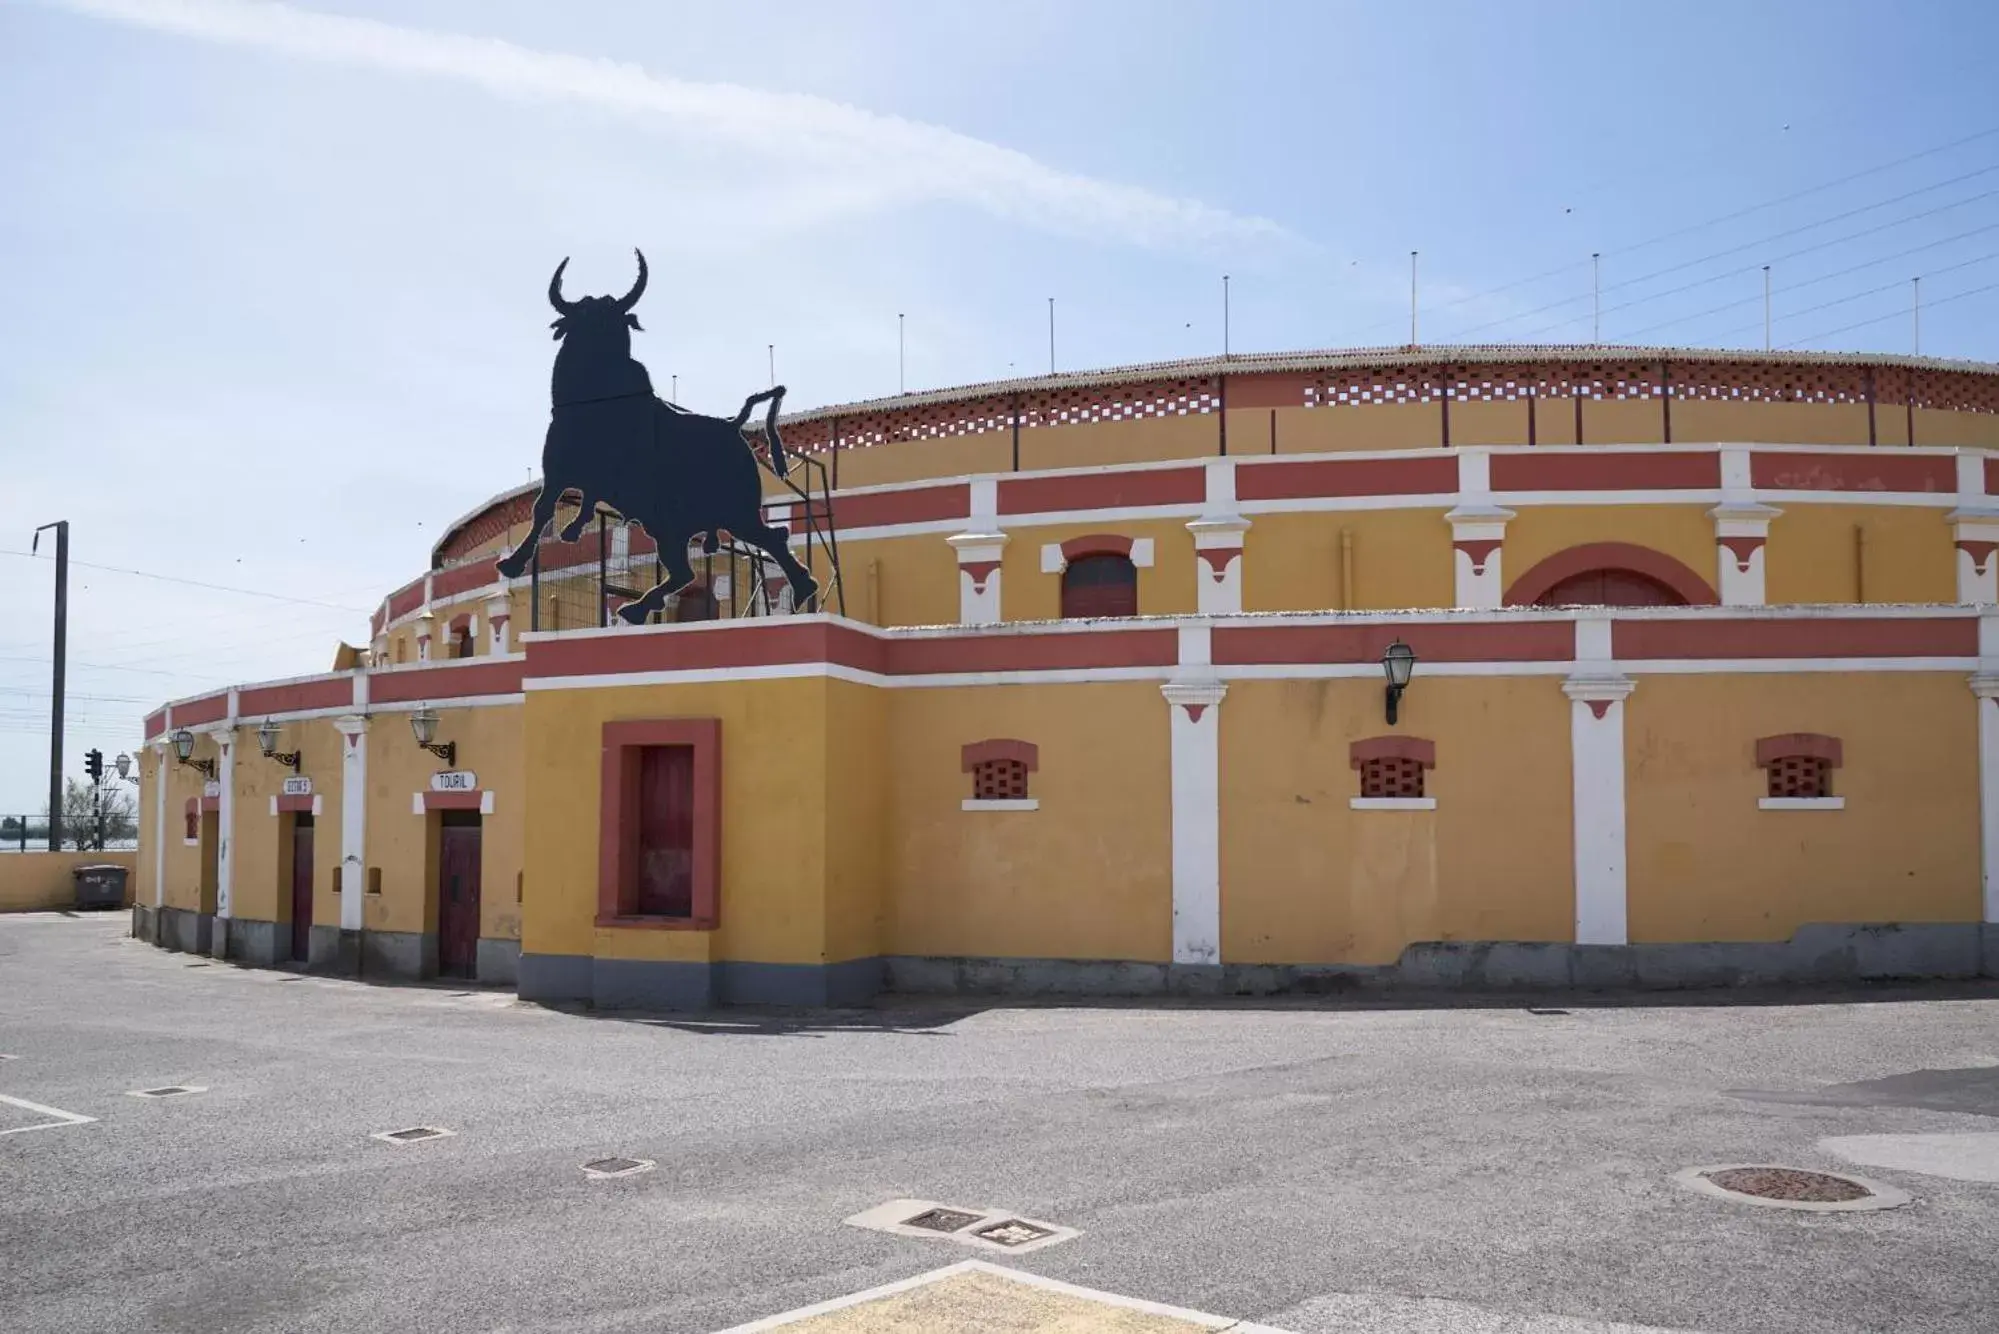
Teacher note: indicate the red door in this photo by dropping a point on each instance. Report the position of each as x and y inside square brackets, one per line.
[302, 885]
[458, 893]
[1100, 586]
[666, 831]
[1610, 588]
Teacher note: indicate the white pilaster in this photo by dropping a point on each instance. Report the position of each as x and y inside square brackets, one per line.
[978, 575]
[353, 817]
[1741, 531]
[224, 735]
[1218, 562]
[160, 820]
[1597, 691]
[498, 613]
[1974, 527]
[1477, 532]
[1197, 825]
[426, 625]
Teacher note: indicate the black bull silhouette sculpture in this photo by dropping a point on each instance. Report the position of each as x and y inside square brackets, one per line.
[677, 474]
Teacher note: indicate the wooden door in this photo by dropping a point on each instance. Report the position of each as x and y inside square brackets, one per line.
[1100, 586]
[1610, 588]
[302, 886]
[666, 832]
[458, 846]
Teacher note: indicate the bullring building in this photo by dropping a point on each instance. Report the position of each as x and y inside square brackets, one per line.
[1457, 666]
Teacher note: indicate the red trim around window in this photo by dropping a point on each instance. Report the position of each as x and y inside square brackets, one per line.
[980, 752]
[1414, 748]
[618, 820]
[1798, 745]
[1529, 587]
[1096, 544]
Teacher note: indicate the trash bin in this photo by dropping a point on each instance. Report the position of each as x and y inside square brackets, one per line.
[101, 886]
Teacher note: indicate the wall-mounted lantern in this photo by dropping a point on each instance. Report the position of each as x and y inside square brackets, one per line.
[1398, 660]
[423, 725]
[124, 765]
[184, 751]
[267, 741]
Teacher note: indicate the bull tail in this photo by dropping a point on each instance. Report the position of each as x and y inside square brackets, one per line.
[775, 398]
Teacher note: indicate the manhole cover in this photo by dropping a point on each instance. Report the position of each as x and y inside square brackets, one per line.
[1788, 1183]
[167, 1091]
[1013, 1232]
[942, 1220]
[616, 1167]
[197, 965]
[1540, 1010]
[1791, 1188]
[413, 1135]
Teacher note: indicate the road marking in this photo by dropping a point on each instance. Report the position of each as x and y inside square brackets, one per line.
[62, 1118]
[970, 1293]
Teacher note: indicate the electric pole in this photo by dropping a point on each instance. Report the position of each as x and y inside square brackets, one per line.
[61, 662]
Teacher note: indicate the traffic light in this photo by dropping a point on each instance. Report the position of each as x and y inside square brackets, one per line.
[93, 764]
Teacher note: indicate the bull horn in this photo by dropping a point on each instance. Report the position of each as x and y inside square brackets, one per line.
[555, 289]
[631, 298]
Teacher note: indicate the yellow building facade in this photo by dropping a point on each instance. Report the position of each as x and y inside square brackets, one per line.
[1705, 645]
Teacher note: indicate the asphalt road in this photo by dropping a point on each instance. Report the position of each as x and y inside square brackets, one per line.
[1317, 1167]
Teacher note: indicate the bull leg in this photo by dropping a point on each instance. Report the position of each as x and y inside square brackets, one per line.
[679, 574]
[516, 562]
[585, 514]
[775, 542]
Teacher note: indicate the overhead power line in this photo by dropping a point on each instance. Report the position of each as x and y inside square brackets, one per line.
[1898, 285]
[194, 583]
[1738, 249]
[1892, 315]
[1716, 221]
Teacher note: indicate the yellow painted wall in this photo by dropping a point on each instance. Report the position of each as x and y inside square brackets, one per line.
[774, 817]
[1501, 423]
[40, 881]
[1781, 423]
[402, 844]
[1087, 876]
[1683, 532]
[917, 583]
[183, 859]
[858, 896]
[1166, 588]
[1095, 444]
[913, 460]
[1706, 864]
[1307, 879]
[1364, 427]
[1934, 427]
[1401, 558]
[1812, 555]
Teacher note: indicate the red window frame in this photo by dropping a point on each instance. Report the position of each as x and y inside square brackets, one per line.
[619, 830]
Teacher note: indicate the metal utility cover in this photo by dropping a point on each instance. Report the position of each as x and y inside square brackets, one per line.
[412, 1135]
[600, 1168]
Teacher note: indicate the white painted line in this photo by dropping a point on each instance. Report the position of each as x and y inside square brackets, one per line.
[1199, 1318]
[62, 1118]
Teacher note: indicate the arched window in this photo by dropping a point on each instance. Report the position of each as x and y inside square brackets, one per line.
[1610, 588]
[1610, 574]
[1100, 585]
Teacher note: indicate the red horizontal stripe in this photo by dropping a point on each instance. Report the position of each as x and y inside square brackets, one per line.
[460, 578]
[1346, 477]
[406, 599]
[156, 723]
[1499, 641]
[331, 692]
[1872, 637]
[452, 801]
[1878, 470]
[1606, 472]
[209, 709]
[458, 680]
[1103, 490]
[746, 645]
[876, 509]
[1034, 653]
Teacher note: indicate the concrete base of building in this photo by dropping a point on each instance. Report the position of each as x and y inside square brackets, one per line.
[499, 962]
[398, 955]
[143, 924]
[1818, 953]
[632, 984]
[184, 930]
[259, 944]
[334, 951]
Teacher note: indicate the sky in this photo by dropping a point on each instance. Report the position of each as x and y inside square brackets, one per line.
[276, 272]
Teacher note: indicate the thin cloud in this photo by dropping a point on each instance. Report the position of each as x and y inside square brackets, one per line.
[894, 160]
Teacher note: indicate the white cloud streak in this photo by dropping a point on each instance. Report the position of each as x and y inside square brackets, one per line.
[886, 160]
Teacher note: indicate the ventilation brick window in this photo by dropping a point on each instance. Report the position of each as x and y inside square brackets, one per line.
[1391, 770]
[999, 770]
[1798, 769]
